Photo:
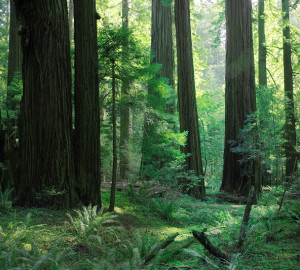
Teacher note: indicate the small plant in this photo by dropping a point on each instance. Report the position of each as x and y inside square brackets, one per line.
[139, 250]
[18, 234]
[5, 203]
[163, 207]
[18, 258]
[87, 223]
[49, 194]
[140, 195]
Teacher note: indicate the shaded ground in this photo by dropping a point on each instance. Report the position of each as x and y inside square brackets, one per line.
[140, 222]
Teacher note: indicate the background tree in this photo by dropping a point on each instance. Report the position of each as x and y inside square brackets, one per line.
[13, 94]
[46, 118]
[239, 94]
[262, 56]
[124, 104]
[162, 44]
[87, 129]
[290, 121]
[188, 114]
[4, 31]
[160, 96]
[15, 50]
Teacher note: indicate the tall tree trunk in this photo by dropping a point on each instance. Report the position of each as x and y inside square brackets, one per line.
[239, 93]
[71, 16]
[124, 105]
[162, 43]
[163, 54]
[15, 50]
[262, 56]
[188, 114]
[290, 129]
[87, 121]
[260, 168]
[115, 158]
[46, 116]
[14, 69]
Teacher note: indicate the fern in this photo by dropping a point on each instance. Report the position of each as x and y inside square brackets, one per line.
[86, 225]
[4, 199]
[164, 207]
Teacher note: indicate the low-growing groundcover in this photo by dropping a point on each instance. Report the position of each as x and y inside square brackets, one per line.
[89, 238]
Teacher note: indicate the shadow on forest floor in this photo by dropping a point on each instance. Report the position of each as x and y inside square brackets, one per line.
[38, 238]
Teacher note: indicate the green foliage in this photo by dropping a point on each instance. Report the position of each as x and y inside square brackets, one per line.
[87, 224]
[10, 102]
[140, 195]
[48, 194]
[17, 233]
[29, 258]
[4, 30]
[5, 202]
[164, 207]
[161, 155]
[141, 246]
[134, 69]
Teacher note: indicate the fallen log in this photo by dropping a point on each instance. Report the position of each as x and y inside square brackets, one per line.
[147, 258]
[211, 248]
[230, 198]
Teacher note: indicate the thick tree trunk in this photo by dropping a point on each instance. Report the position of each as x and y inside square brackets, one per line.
[115, 158]
[162, 43]
[46, 116]
[188, 114]
[87, 121]
[124, 106]
[290, 130]
[239, 93]
[262, 51]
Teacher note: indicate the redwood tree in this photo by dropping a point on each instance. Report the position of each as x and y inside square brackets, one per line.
[15, 50]
[262, 51]
[239, 94]
[188, 114]
[290, 121]
[14, 71]
[46, 112]
[162, 53]
[87, 129]
[124, 103]
[162, 42]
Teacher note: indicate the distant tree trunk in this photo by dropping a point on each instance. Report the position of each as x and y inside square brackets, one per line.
[290, 129]
[260, 168]
[162, 43]
[163, 53]
[115, 158]
[14, 67]
[239, 94]
[46, 116]
[15, 49]
[124, 106]
[188, 114]
[262, 56]
[71, 15]
[87, 121]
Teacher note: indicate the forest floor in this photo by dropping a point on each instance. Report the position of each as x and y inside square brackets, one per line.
[45, 239]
